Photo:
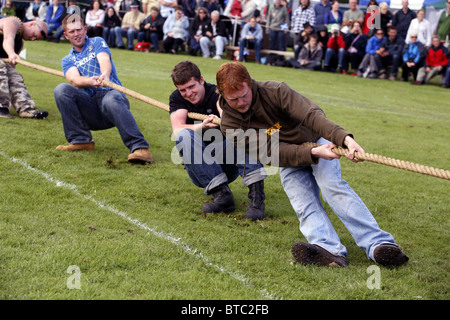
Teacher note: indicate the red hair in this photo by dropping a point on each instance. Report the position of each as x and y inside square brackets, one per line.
[231, 75]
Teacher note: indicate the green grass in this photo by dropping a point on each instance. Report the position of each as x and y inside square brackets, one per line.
[137, 232]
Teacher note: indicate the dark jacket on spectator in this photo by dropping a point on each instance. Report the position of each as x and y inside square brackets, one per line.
[393, 47]
[157, 23]
[359, 44]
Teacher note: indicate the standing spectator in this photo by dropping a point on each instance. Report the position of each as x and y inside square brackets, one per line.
[131, 24]
[189, 7]
[422, 28]
[413, 57]
[197, 30]
[277, 16]
[386, 17]
[320, 9]
[215, 36]
[352, 14]
[443, 27]
[251, 38]
[436, 62]
[55, 13]
[304, 13]
[112, 20]
[176, 31]
[167, 7]
[248, 9]
[94, 19]
[152, 29]
[334, 16]
[402, 19]
[259, 12]
[210, 5]
[390, 54]
[147, 6]
[37, 10]
[355, 42]
[335, 50]
[9, 10]
[123, 6]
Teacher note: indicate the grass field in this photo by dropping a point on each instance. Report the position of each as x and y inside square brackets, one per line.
[137, 232]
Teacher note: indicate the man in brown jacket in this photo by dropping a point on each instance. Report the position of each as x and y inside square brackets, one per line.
[305, 171]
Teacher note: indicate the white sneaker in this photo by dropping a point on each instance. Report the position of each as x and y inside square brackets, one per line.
[217, 57]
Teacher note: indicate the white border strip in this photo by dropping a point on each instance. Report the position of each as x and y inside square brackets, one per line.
[165, 236]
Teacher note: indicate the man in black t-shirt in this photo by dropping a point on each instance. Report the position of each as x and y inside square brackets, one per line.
[210, 161]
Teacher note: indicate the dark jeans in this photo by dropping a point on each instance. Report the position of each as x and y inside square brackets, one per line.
[390, 60]
[250, 44]
[276, 40]
[414, 69]
[172, 44]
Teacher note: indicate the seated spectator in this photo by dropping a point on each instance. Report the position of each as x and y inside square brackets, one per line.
[277, 15]
[151, 29]
[302, 39]
[390, 54]
[54, 16]
[251, 38]
[386, 17]
[413, 57]
[352, 14]
[112, 20]
[436, 62]
[355, 42]
[310, 57]
[447, 79]
[322, 38]
[37, 10]
[215, 36]
[176, 31]
[197, 30]
[94, 19]
[368, 67]
[422, 28]
[320, 9]
[334, 16]
[9, 10]
[130, 27]
[304, 13]
[335, 50]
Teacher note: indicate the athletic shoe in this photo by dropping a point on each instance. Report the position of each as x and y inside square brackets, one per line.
[307, 253]
[389, 255]
[140, 156]
[33, 114]
[77, 147]
[4, 113]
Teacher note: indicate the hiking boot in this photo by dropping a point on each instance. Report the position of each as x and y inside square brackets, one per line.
[306, 254]
[393, 77]
[389, 255]
[32, 113]
[223, 200]
[255, 210]
[382, 74]
[141, 156]
[77, 146]
[4, 113]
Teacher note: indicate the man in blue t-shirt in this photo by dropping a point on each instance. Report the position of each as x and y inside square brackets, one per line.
[205, 152]
[85, 104]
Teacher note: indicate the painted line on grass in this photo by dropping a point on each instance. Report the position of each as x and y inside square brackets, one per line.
[165, 236]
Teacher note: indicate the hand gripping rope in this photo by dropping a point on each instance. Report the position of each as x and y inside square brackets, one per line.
[400, 164]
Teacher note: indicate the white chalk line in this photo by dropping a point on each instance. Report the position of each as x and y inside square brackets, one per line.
[165, 236]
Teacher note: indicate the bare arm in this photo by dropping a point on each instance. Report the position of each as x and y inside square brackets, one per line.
[178, 121]
[10, 26]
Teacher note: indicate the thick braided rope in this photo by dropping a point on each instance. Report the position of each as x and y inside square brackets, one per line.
[400, 164]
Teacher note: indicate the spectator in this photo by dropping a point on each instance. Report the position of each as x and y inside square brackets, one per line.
[436, 62]
[277, 16]
[335, 50]
[123, 6]
[355, 42]
[189, 8]
[259, 12]
[402, 19]
[112, 20]
[447, 79]
[54, 16]
[413, 57]
[176, 31]
[37, 10]
[386, 17]
[151, 29]
[368, 67]
[443, 27]
[210, 5]
[216, 36]
[197, 30]
[322, 38]
[248, 9]
[167, 7]
[94, 19]
[352, 14]
[147, 6]
[320, 9]
[59, 34]
[304, 13]
[9, 10]
[236, 10]
[130, 26]
[302, 39]
[251, 38]
[422, 28]
[390, 54]
[334, 16]
[372, 13]
[310, 56]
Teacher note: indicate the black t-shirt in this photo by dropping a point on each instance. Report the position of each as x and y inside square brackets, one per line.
[208, 106]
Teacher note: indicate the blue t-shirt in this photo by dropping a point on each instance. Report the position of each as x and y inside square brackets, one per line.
[87, 64]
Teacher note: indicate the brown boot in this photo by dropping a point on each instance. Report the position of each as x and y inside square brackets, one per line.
[77, 147]
[141, 156]
[389, 255]
[307, 253]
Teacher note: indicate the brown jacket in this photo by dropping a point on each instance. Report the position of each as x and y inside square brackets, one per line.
[282, 111]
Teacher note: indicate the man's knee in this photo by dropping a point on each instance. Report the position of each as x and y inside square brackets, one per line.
[61, 89]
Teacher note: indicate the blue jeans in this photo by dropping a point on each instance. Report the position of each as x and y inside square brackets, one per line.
[106, 109]
[206, 165]
[110, 36]
[276, 40]
[131, 34]
[331, 54]
[303, 186]
[249, 44]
